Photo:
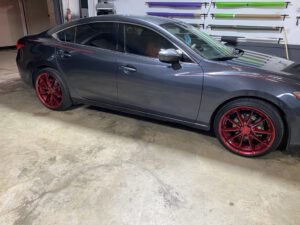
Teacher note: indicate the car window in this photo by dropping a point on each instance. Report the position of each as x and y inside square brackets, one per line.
[200, 42]
[101, 35]
[67, 35]
[143, 41]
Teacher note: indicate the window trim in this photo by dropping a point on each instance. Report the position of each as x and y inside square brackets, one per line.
[54, 35]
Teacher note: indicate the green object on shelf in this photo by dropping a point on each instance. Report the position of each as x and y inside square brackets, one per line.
[267, 4]
[230, 4]
[248, 16]
[249, 4]
[224, 15]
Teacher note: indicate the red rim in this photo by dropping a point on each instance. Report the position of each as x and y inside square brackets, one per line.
[247, 131]
[48, 90]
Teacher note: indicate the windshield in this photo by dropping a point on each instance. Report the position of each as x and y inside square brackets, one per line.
[202, 43]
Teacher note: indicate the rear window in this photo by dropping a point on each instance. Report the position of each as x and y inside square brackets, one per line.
[100, 35]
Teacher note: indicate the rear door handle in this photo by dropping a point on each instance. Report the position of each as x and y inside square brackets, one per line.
[128, 69]
[63, 53]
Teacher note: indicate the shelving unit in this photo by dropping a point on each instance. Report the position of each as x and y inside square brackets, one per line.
[229, 18]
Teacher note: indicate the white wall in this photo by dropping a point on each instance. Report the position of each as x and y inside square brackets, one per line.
[139, 7]
[74, 6]
[92, 7]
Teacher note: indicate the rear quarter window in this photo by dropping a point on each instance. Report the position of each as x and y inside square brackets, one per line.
[101, 35]
[67, 35]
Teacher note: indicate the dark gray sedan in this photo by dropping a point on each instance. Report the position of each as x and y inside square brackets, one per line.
[168, 70]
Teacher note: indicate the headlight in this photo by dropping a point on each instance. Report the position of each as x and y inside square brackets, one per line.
[297, 94]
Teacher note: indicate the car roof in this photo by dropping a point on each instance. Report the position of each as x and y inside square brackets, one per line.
[147, 20]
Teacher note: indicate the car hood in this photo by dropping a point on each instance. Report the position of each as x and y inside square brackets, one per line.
[267, 64]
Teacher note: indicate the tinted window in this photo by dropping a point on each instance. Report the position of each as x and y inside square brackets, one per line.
[143, 41]
[101, 35]
[67, 35]
[202, 43]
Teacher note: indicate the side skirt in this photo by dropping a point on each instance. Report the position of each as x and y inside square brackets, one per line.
[141, 113]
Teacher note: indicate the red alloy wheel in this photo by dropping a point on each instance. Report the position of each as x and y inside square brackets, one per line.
[48, 90]
[247, 131]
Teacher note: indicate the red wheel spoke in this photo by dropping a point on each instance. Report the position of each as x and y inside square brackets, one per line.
[250, 141]
[257, 139]
[233, 122]
[239, 116]
[52, 100]
[58, 95]
[48, 80]
[43, 81]
[250, 117]
[232, 129]
[259, 122]
[241, 141]
[47, 99]
[56, 101]
[43, 91]
[262, 132]
[235, 136]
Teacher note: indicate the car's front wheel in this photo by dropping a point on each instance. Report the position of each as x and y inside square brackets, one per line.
[249, 127]
[51, 90]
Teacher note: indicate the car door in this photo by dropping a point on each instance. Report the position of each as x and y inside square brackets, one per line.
[86, 56]
[146, 84]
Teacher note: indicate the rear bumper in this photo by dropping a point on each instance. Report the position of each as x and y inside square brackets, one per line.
[25, 74]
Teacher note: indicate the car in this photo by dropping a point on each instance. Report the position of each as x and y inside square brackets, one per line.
[168, 70]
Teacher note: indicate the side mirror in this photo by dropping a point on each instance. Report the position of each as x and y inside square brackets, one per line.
[169, 56]
[229, 40]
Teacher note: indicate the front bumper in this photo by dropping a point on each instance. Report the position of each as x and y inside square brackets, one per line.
[294, 132]
[292, 112]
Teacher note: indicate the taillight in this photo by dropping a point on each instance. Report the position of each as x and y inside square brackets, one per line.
[20, 45]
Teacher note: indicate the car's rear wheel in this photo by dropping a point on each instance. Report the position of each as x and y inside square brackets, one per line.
[249, 127]
[51, 90]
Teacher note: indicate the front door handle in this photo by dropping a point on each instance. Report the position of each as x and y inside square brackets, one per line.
[128, 69]
[63, 53]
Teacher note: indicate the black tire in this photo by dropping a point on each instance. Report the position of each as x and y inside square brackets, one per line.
[242, 124]
[65, 101]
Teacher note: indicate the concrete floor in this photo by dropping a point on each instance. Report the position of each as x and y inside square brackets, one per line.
[91, 166]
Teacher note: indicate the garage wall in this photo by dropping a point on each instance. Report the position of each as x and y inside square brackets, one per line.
[139, 7]
[51, 12]
[37, 17]
[10, 23]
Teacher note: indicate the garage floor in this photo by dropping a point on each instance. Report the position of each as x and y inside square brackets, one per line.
[91, 166]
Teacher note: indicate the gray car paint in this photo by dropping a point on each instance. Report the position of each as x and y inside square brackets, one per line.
[158, 90]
